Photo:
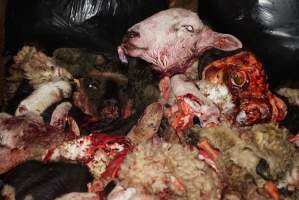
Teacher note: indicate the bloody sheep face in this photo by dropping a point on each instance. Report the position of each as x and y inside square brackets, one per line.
[172, 39]
[246, 80]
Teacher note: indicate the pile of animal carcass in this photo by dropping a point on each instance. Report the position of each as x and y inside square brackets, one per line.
[160, 129]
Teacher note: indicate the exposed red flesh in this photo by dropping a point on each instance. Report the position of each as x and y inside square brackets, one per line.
[205, 156]
[204, 145]
[183, 117]
[246, 80]
[271, 189]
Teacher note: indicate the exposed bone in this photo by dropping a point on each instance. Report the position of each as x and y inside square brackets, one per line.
[73, 126]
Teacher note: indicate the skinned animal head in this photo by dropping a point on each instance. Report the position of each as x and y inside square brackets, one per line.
[172, 40]
[247, 82]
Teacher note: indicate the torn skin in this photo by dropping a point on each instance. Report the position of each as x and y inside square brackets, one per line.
[33, 141]
[183, 118]
[204, 145]
[208, 153]
[246, 80]
[271, 189]
[187, 102]
[182, 39]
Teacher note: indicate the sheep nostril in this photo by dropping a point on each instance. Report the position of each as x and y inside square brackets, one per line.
[132, 34]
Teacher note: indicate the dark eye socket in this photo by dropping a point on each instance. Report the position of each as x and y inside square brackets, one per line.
[188, 28]
[238, 78]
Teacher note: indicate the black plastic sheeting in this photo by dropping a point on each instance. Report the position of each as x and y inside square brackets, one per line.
[93, 24]
[270, 28]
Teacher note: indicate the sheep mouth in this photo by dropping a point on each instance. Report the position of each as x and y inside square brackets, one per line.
[129, 49]
[130, 46]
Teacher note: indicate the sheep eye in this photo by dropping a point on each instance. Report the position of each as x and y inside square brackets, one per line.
[189, 28]
[238, 79]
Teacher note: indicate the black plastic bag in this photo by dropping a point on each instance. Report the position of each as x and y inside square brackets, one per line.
[93, 24]
[270, 28]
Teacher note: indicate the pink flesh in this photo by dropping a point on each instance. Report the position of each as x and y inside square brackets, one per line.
[172, 40]
[29, 140]
[60, 114]
[203, 108]
[295, 140]
[203, 155]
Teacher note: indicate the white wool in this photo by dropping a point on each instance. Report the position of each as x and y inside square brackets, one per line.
[98, 164]
[217, 93]
[291, 178]
[79, 150]
[38, 68]
[206, 110]
[73, 150]
[120, 193]
[154, 168]
[241, 117]
[8, 192]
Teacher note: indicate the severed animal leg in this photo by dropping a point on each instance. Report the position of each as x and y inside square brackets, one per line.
[148, 125]
[46, 95]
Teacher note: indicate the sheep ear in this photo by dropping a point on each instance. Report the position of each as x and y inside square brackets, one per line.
[226, 42]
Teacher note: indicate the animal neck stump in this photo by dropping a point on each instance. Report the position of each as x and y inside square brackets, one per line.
[172, 40]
